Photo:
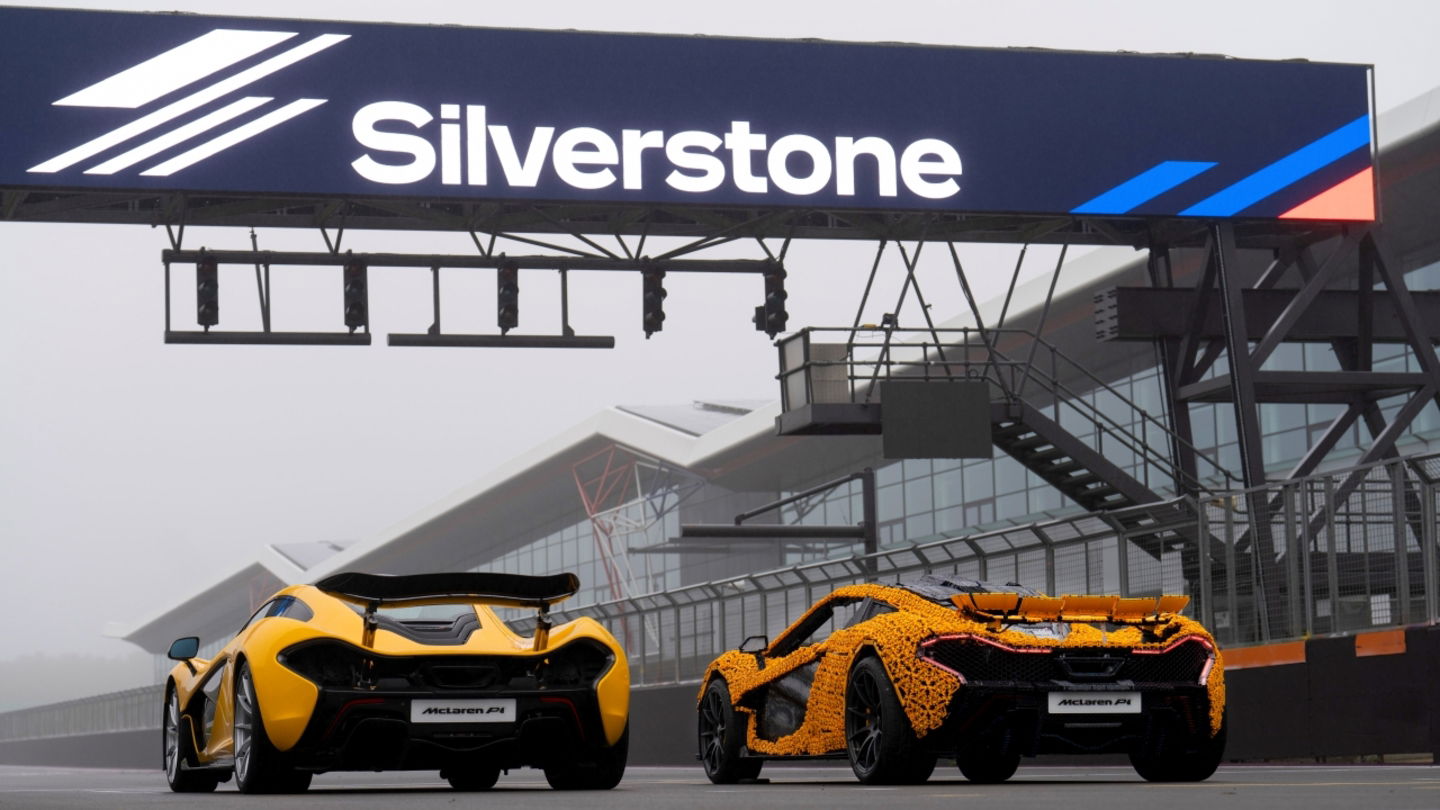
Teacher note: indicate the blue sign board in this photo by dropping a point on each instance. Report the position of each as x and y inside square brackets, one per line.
[161, 102]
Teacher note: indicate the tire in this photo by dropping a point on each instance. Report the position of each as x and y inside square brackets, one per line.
[602, 773]
[721, 736]
[259, 768]
[177, 749]
[921, 766]
[1187, 761]
[987, 768]
[878, 738]
[472, 778]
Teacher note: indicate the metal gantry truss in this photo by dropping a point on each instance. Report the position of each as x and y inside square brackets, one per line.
[265, 260]
[1333, 265]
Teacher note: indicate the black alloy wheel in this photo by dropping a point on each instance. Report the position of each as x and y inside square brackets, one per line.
[878, 738]
[721, 736]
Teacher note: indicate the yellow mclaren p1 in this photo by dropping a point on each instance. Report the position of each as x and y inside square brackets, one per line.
[895, 676]
[370, 672]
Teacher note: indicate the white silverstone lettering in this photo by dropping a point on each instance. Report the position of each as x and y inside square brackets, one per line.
[848, 149]
[599, 150]
[450, 145]
[712, 171]
[422, 154]
[526, 173]
[778, 163]
[587, 158]
[475, 163]
[741, 143]
[914, 168]
[633, 144]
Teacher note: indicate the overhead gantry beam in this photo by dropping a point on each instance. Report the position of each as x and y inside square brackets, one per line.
[271, 211]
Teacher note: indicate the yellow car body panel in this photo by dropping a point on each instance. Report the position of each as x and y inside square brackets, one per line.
[614, 687]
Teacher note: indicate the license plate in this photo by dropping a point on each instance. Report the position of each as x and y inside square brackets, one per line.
[498, 710]
[1094, 703]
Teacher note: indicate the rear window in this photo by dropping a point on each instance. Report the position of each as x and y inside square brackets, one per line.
[940, 589]
[446, 613]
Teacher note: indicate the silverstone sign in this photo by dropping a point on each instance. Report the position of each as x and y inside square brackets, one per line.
[160, 102]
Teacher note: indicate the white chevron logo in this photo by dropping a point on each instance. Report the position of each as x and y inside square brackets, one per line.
[204, 57]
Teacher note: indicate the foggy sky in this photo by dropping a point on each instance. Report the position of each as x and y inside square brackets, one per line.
[132, 472]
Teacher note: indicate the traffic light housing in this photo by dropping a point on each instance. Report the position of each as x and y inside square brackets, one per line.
[507, 296]
[653, 301]
[771, 316]
[357, 295]
[207, 291]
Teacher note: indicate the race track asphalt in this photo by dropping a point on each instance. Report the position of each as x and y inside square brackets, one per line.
[1263, 787]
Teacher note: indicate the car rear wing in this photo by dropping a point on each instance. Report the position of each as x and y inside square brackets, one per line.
[1014, 607]
[507, 590]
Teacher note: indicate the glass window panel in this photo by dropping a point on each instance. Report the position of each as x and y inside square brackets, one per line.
[890, 502]
[1012, 506]
[915, 467]
[919, 526]
[979, 482]
[1009, 475]
[949, 489]
[1045, 498]
[918, 496]
[951, 519]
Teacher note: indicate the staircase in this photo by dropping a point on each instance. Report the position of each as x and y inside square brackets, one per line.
[1082, 474]
[835, 389]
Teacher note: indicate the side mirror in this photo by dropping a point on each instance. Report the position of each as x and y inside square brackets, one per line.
[184, 648]
[757, 649]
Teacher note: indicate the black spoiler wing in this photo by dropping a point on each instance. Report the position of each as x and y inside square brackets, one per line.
[511, 590]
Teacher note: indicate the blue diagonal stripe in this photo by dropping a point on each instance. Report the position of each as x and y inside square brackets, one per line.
[1143, 187]
[1285, 171]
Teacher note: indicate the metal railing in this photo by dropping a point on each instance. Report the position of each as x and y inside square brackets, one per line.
[1339, 562]
[130, 710]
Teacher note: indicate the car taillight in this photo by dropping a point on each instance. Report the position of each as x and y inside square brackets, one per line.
[328, 663]
[579, 663]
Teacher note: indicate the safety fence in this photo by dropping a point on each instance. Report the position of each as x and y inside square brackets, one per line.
[1341, 552]
[130, 710]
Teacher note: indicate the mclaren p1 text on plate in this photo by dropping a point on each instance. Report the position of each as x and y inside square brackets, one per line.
[1092, 703]
[462, 711]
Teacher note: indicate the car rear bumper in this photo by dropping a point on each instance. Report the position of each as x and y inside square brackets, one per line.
[372, 730]
[1016, 718]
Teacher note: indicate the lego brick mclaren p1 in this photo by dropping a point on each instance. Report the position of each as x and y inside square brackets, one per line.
[370, 672]
[893, 677]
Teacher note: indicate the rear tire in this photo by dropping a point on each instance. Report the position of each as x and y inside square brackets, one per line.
[176, 750]
[987, 768]
[602, 773]
[721, 736]
[881, 744]
[1182, 762]
[259, 767]
[473, 778]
